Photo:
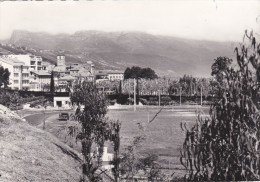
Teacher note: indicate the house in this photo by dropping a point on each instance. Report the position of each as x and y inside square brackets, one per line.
[62, 101]
[109, 75]
[115, 75]
[84, 71]
[65, 80]
[39, 80]
[19, 72]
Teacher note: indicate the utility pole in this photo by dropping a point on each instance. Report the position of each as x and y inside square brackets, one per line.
[201, 95]
[134, 96]
[159, 97]
[180, 96]
[129, 91]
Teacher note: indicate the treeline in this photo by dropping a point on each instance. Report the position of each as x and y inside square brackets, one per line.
[185, 86]
[162, 100]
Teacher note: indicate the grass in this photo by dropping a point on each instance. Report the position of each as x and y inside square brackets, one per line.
[31, 154]
[164, 135]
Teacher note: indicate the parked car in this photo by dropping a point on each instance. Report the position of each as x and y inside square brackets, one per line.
[64, 116]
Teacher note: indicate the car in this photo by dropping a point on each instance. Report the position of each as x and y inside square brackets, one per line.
[64, 116]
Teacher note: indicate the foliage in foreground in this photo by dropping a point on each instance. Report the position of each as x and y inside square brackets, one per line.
[94, 129]
[225, 146]
[4, 77]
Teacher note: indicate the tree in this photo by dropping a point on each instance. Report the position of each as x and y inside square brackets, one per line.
[94, 129]
[137, 73]
[148, 73]
[219, 68]
[127, 73]
[120, 87]
[52, 86]
[5, 98]
[4, 77]
[225, 146]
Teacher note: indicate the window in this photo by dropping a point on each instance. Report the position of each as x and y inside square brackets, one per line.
[16, 74]
[16, 69]
[16, 82]
[25, 75]
[25, 82]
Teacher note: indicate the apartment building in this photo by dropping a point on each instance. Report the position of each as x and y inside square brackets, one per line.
[19, 73]
[34, 62]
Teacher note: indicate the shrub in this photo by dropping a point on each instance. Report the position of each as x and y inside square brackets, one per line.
[144, 101]
[225, 146]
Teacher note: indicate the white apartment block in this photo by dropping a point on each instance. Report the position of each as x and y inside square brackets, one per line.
[19, 73]
[34, 62]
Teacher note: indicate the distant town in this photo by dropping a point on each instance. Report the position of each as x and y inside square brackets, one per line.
[30, 72]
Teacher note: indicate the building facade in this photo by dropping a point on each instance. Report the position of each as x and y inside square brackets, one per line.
[34, 62]
[109, 75]
[40, 80]
[19, 73]
[115, 75]
[61, 102]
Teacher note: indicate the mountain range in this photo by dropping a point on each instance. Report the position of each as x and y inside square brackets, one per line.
[169, 56]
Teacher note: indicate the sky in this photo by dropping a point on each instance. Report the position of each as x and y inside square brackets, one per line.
[216, 20]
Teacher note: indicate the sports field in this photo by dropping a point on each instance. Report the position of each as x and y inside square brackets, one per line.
[164, 135]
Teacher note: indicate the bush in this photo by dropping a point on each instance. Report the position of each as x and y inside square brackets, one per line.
[144, 101]
[122, 99]
[225, 146]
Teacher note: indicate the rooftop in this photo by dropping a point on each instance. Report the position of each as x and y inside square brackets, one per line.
[105, 72]
[12, 61]
[67, 77]
[42, 73]
[60, 69]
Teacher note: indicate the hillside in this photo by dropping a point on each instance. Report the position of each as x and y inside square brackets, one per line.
[30, 154]
[118, 50]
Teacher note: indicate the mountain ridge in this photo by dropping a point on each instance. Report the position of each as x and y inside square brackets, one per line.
[117, 50]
